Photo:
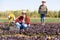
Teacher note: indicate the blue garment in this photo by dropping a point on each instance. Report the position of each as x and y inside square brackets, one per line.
[21, 26]
[18, 25]
[24, 25]
[42, 17]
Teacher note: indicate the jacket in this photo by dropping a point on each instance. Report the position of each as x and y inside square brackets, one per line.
[20, 20]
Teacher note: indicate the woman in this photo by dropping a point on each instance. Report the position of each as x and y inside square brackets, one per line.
[22, 21]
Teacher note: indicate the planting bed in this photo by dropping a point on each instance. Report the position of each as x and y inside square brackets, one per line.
[35, 32]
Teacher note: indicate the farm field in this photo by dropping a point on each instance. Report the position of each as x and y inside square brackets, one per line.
[35, 20]
[35, 32]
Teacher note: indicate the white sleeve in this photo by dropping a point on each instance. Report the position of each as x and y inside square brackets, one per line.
[8, 16]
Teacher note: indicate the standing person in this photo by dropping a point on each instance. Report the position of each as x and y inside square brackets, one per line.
[23, 21]
[42, 11]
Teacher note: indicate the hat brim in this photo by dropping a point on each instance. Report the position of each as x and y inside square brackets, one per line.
[43, 2]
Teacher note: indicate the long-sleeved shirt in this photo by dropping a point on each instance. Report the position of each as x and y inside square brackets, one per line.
[42, 9]
[21, 18]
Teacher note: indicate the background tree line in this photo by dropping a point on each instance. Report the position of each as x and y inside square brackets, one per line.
[32, 14]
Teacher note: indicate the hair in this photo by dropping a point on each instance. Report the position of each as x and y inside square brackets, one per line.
[43, 1]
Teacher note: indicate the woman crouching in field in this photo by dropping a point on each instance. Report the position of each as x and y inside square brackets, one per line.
[11, 18]
[22, 22]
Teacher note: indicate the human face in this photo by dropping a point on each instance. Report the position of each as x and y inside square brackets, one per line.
[24, 15]
[43, 3]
